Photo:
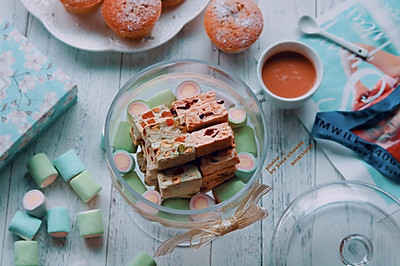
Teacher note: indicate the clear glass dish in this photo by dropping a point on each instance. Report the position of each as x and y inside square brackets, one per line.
[169, 75]
[339, 223]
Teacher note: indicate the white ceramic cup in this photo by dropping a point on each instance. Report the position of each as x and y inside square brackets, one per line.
[291, 46]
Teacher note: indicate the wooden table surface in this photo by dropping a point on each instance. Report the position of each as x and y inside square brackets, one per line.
[99, 75]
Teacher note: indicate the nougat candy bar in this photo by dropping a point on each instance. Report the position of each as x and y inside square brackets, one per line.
[141, 160]
[205, 115]
[218, 160]
[179, 181]
[165, 128]
[172, 152]
[217, 178]
[149, 118]
[212, 139]
[150, 176]
[181, 106]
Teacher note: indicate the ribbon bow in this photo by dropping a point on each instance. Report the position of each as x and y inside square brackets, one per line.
[246, 214]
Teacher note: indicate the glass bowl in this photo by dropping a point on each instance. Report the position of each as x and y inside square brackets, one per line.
[169, 75]
[339, 223]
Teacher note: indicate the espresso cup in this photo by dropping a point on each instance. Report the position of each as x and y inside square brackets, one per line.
[286, 49]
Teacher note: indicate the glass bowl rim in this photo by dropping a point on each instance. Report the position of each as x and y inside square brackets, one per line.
[139, 197]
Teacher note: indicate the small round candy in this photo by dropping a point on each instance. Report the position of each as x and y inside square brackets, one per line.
[153, 196]
[237, 117]
[246, 166]
[201, 201]
[34, 203]
[42, 170]
[186, 89]
[136, 107]
[124, 161]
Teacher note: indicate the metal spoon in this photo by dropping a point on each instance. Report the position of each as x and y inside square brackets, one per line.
[308, 25]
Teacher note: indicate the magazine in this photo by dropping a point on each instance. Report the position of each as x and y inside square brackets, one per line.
[350, 83]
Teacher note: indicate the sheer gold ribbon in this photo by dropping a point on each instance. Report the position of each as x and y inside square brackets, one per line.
[246, 214]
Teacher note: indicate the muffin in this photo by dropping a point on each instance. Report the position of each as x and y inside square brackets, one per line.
[79, 7]
[171, 3]
[233, 25]
[131, 19]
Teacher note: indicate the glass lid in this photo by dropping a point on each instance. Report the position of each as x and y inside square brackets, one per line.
[340, 223]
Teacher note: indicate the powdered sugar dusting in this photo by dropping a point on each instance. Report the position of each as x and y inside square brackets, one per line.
[135, 13]
[238, 21]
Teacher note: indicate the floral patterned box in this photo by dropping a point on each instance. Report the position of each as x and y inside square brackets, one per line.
[33, 93]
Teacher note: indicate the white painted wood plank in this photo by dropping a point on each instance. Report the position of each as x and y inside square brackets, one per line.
[285, 131]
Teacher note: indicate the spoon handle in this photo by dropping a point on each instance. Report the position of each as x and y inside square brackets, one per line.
[345, 44]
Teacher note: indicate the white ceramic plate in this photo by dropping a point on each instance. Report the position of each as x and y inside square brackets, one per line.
[90, 32]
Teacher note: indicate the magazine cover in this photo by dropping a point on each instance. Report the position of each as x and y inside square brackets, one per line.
[352, 85]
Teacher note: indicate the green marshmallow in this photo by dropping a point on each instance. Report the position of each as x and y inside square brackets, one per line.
[90, 223]
[69, 165]
[228, 189]
[142, 259]
[135, 182]
[42, 170]
[26, 253]
[58, 222]
[86, 186]
[245, 140]
[24, 225]
[246, 167]
[175, 203]
[123, 139]
[164, 97]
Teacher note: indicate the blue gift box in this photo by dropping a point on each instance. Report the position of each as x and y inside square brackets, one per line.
[33, 93]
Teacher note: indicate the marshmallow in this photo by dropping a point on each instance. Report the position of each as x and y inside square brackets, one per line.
[228, 189]
[42, 170]
[135, 182]
[245, 140]
[153, 196]
[202, 201]
[90, 223]
[188, 88]
[175, 203]
[58, 222]
[142, 259]
[34, 203]
[24, 225]
[237, 117]
[163, 97]
[69, 165]
[136, 107]
[123, 139]
[246, 167]
[124, 161]
[26, 253]
[86, 186]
